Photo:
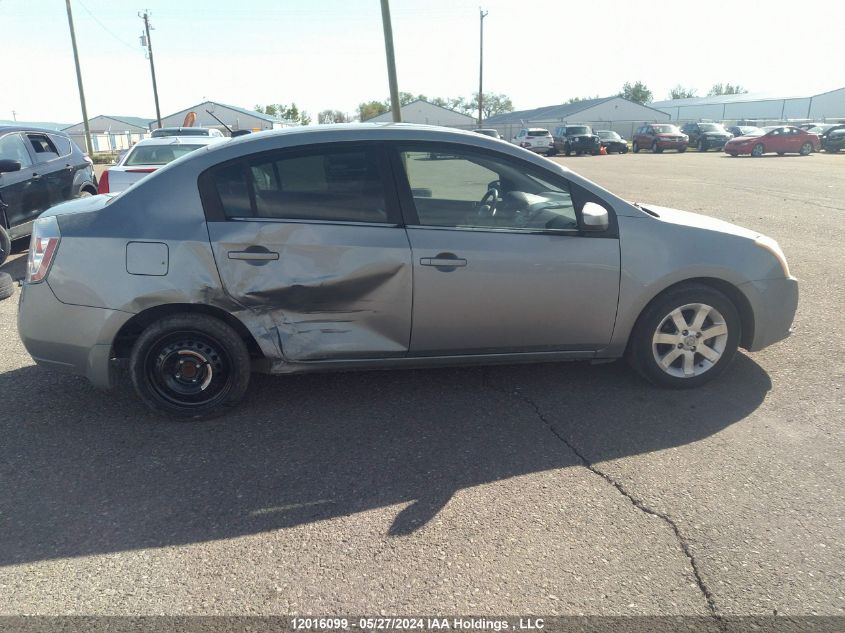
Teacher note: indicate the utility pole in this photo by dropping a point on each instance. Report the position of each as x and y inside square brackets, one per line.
[391, 62]
[146, 18]
[481, 16]
[88, 145]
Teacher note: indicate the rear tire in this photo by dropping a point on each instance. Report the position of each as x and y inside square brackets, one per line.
[5, 245]
[701, 147]
[190, 366]
[806, 149]
[662, 354]
[7, 286]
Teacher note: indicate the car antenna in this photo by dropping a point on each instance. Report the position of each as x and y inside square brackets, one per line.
[221, 122]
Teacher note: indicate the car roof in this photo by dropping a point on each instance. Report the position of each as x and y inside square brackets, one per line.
[179, 140]
[29, 128]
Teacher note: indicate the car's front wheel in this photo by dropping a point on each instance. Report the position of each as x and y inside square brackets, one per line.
[686, 337]
[635, 147]
[190, 366]
[702, 147]
[758, 150]
[5, 245]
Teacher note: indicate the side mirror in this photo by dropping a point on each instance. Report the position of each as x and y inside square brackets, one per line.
[594, 217]
[9, 165]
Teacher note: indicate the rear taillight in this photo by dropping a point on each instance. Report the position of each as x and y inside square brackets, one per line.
[103, 186]
[42, 248]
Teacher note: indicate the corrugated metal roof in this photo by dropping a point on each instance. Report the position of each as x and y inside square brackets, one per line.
[547, 113]
[720, 99]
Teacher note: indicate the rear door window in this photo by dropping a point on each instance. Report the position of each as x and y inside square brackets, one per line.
[43, 147]
[335, 185]
[63, 144]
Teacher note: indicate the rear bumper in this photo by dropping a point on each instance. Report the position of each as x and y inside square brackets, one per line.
[773, 302]
[69, 338]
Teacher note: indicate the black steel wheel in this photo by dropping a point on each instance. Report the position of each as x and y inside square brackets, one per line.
[190, 366]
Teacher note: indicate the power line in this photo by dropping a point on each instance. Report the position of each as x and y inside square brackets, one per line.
[105, 28]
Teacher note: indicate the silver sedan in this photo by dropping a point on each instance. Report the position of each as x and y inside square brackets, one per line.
[373, 246]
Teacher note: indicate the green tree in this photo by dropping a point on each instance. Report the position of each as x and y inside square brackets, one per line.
[369, 109]
[726, 89]
[332, 116]
[288, 113]
[679, 92]
[637, 92]
[578, 99]
[492, 104]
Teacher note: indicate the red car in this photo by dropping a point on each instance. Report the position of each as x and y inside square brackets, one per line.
[776, 138]
[659, 136]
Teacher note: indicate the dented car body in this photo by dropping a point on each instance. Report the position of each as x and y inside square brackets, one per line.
[372, 246]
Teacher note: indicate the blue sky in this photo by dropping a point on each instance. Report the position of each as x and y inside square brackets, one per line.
[330, 53]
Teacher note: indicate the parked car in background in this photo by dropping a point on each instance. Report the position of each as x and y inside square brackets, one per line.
[576, 138]
[831, 136]
[742, 130]
[304, 250]
[780, 139]
[38, 169]
[147, 156]
[704, 136]
[808, 126]
[491, 132]
[658, 137]
[186, 131]
[612, 142]
[535, 139]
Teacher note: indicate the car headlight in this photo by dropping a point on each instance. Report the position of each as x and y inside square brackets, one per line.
[774, 248]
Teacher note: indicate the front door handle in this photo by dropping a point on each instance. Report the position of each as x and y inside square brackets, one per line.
[445, 262]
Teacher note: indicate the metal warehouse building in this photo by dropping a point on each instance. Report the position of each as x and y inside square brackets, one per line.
[611, 113]
[757, 107]
[421, 111]
[233, 116]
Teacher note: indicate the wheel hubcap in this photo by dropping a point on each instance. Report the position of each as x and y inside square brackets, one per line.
[690, 340]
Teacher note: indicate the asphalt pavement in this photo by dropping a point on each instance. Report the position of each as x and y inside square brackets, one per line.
[547, 489]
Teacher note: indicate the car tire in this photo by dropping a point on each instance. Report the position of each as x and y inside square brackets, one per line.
[5, 245]
[677, 361]
[781, 153]
[732, 154]
[635, 147]
[7, 286]
[568, 152]
[190, 366]
[681, 150]
[624, 150]
[758, 150]
[655, 148]
[701, 147]
[806, 149]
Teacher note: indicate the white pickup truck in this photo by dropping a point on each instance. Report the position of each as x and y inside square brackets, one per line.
[148, 155]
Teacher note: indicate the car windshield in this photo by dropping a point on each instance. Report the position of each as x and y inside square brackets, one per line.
[493, 133]
[578, 129]
[819, 129]
[538, 133]
[712, 127]
[159, 154]
[666, 129]
[607, 134]
[756, 131]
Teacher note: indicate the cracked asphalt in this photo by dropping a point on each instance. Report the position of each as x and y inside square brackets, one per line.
[547, 489]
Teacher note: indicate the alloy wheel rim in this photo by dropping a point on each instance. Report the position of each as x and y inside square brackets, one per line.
[758, 150]
[690, 340]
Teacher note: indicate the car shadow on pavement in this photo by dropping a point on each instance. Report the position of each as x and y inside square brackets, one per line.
[16, 266]
[89, 472]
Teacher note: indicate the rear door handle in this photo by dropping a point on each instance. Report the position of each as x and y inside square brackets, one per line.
[261, 256]
[444, 261]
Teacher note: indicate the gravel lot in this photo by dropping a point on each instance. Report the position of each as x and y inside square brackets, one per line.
[550, 489]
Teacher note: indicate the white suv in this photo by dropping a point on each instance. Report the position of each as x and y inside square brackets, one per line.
[536, 139]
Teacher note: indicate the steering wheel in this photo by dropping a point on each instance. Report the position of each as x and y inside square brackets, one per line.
[489, 200]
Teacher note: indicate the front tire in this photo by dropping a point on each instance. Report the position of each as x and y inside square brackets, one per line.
[190, 366]
[655, 148]
[685, 337]
[758, 150]
[5, 245]
[702, 147]
[635, 147]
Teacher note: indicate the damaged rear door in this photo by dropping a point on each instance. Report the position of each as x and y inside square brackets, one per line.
[311, 239]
